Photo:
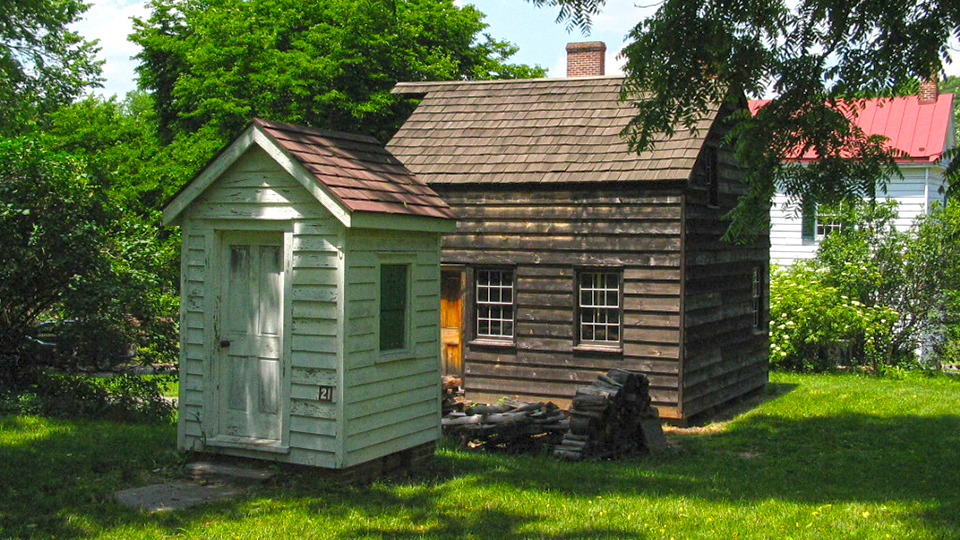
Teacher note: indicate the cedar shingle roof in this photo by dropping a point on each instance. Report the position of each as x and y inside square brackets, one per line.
[358, 170]
[534, 130]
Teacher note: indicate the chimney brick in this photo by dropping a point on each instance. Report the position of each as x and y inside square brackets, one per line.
[586, 59]
[929, 91]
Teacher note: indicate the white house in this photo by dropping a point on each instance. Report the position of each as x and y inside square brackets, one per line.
[921, 126]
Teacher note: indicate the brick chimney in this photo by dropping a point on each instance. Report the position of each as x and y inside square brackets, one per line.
[585, 59]
[929, 91]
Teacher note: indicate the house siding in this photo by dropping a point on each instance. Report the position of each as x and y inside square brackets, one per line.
[920, 186]
[546, 235]
[724, 354]
[391, 402]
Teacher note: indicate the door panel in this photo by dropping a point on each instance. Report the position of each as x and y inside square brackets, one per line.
[250, 363]
[451, 322]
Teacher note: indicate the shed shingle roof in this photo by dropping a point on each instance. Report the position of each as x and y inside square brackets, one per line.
[357, 170]
[534, 131]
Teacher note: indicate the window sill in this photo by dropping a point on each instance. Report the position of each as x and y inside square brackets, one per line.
[492, 342]
[598, 348]
[395, 355]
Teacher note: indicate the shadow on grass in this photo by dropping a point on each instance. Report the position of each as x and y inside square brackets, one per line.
[59, 483]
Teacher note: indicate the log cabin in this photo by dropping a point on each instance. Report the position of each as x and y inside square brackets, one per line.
[573, 255]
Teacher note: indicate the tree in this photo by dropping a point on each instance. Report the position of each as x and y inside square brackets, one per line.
[951, 85]
[131, 298]
[52, 222]
[43, 64]
[216, 63]
[694, 53]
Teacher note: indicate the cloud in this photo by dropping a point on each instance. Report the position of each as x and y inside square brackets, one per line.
[110, 22]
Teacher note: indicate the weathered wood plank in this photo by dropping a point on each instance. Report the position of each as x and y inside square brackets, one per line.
[580, 377]
[572, 258]
[593, 242]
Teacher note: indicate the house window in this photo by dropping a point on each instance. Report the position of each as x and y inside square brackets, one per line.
[757, 296]
[827, 222]
[393, 306]
[819, 221]
[599, 306]
[494, 302]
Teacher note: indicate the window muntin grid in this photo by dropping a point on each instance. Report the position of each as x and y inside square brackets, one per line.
[827, 223]
[494, 300]
[599, 306]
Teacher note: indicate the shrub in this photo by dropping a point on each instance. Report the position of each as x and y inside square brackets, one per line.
[124, 398]
[52, 222]
[872, 294]
[813, 327]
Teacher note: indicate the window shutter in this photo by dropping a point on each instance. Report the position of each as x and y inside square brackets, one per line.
[393, 306]
[809, 221]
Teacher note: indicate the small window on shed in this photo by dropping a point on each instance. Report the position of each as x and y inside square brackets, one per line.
[494, 303]
[393, 306]
[599, 306]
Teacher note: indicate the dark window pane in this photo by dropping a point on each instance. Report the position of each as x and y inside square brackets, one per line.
[393, 306]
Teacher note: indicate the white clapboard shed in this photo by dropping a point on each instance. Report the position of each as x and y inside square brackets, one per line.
[310, 300]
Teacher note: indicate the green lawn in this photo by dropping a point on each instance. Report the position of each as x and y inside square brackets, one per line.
[829, 457]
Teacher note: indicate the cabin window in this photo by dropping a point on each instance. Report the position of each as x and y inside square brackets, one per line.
[393, 306]
[599, 306]
[494, 301]
[713, 176]
[757, 296]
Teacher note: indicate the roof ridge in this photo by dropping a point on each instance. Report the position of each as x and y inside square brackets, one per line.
[327, 133]
[542, 80]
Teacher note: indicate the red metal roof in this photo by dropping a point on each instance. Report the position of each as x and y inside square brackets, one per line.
[358, 170]
[917, 129]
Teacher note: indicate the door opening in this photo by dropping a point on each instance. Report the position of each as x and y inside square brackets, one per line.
[451, 321]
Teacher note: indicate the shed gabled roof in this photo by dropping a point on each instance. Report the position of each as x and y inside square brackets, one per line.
[534, 131]
[919, 130]
[345, 172]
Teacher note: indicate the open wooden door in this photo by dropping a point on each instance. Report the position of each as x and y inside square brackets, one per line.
[451, 321]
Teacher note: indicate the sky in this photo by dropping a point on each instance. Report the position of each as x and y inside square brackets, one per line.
[534, 30]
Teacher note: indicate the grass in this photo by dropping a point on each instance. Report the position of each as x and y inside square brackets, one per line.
[169, 387]
[814, 457]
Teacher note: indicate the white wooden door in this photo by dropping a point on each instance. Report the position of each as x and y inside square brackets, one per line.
[251, 331]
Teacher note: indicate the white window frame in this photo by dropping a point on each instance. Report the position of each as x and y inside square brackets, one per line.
[595, 311]
[495, 304]
[827, 222]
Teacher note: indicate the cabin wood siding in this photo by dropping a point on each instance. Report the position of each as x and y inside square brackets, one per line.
[724, 354]
[546, 235]
[920, 186]
[391, 400]
[254, 193]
